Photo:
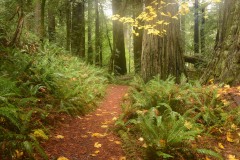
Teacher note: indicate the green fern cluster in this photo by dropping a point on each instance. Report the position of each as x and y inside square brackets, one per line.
[33, 86]
[169, 116]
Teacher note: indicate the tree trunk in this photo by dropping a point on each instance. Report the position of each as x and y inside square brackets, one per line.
[196, 27]
[118, 40]
[39, 18]
[225, 64]
[51, 21]
[78, 29]
[68, 25]
[202, 31]
[137, 40]
[90, 25]
[98, 47]
[163, 55]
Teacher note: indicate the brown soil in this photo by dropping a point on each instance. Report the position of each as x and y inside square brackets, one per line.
[89, 137]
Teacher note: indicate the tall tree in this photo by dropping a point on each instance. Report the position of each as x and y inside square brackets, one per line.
[78, 28]
[68, 24]
[196, 27]
[51, 20]
[90, 26]
[225, 64]
[162, 55]
[98, 44]
[202, 30]
[40, 18]
[137, 39]
[119, 58]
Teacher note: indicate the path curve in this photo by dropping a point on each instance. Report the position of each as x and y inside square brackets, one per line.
[89, 137]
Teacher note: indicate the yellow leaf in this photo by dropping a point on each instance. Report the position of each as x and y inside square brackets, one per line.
[62, 158]
[188, 125]
[114, 118]
[97, 151]
[122, 158]
[104, 126]
[84, 136]
[141, 139]
[207, 158]
[229, 137]
[97, 145]
[117, 142]
[232, 157]
[93, 155]
[220, 145]
[99, 135]
[19, 154]
[38, 133]
[59, 137]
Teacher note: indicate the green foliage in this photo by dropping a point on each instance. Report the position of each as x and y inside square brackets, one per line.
[169, 116]
[36, 85]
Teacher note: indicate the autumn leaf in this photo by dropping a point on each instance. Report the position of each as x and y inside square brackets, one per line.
[62, 158]
[104, 126]
[97, 151]
[117, 142]
[188, 125]
[93, 155]
[114, 118]
[99, 135]
[232, 157]
[220, 145]
[97, 145]
[59, 137]
[229, 137]
[84, 136]
[206, 158]
[122, 158]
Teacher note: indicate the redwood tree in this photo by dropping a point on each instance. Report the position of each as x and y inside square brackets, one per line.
[225, 64]
[119, 58]
[162, 55]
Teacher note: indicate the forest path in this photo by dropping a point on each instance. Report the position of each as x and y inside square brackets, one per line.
[89, 137]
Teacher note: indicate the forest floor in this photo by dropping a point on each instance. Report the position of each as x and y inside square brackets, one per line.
[89, 137]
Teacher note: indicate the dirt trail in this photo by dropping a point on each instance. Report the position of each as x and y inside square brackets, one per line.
[89, 137]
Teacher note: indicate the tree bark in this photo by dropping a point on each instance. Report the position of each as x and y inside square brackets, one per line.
[78, 29]
[163, 55]
[51, 21]
[196, 27]
[225, 64]
[118, 40]
[202, 31]
[98, 45]
[68, 25]
[90, 25]
[137, 40]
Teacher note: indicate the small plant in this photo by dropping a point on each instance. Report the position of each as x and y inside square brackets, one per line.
[166, 133]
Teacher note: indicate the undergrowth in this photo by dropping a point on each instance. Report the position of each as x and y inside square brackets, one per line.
[35, 86]
[166, 118]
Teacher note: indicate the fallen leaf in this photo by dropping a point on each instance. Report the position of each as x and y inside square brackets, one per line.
[220, 145]
[99, 135]
[229, 137]
[141, 139]
[117, 142]
[97, 145]
[104, 126]
[144, 145]
[206, 158]
[62, 158]
[114, 118]
[122, 158]
[84, 136]
[97, 151]
[93, 155]
[59, 137]
[98, 114]
[232, 157]
[188, 125]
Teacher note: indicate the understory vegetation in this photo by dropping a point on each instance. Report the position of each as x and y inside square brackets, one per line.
[34, 89]
[162, 119]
